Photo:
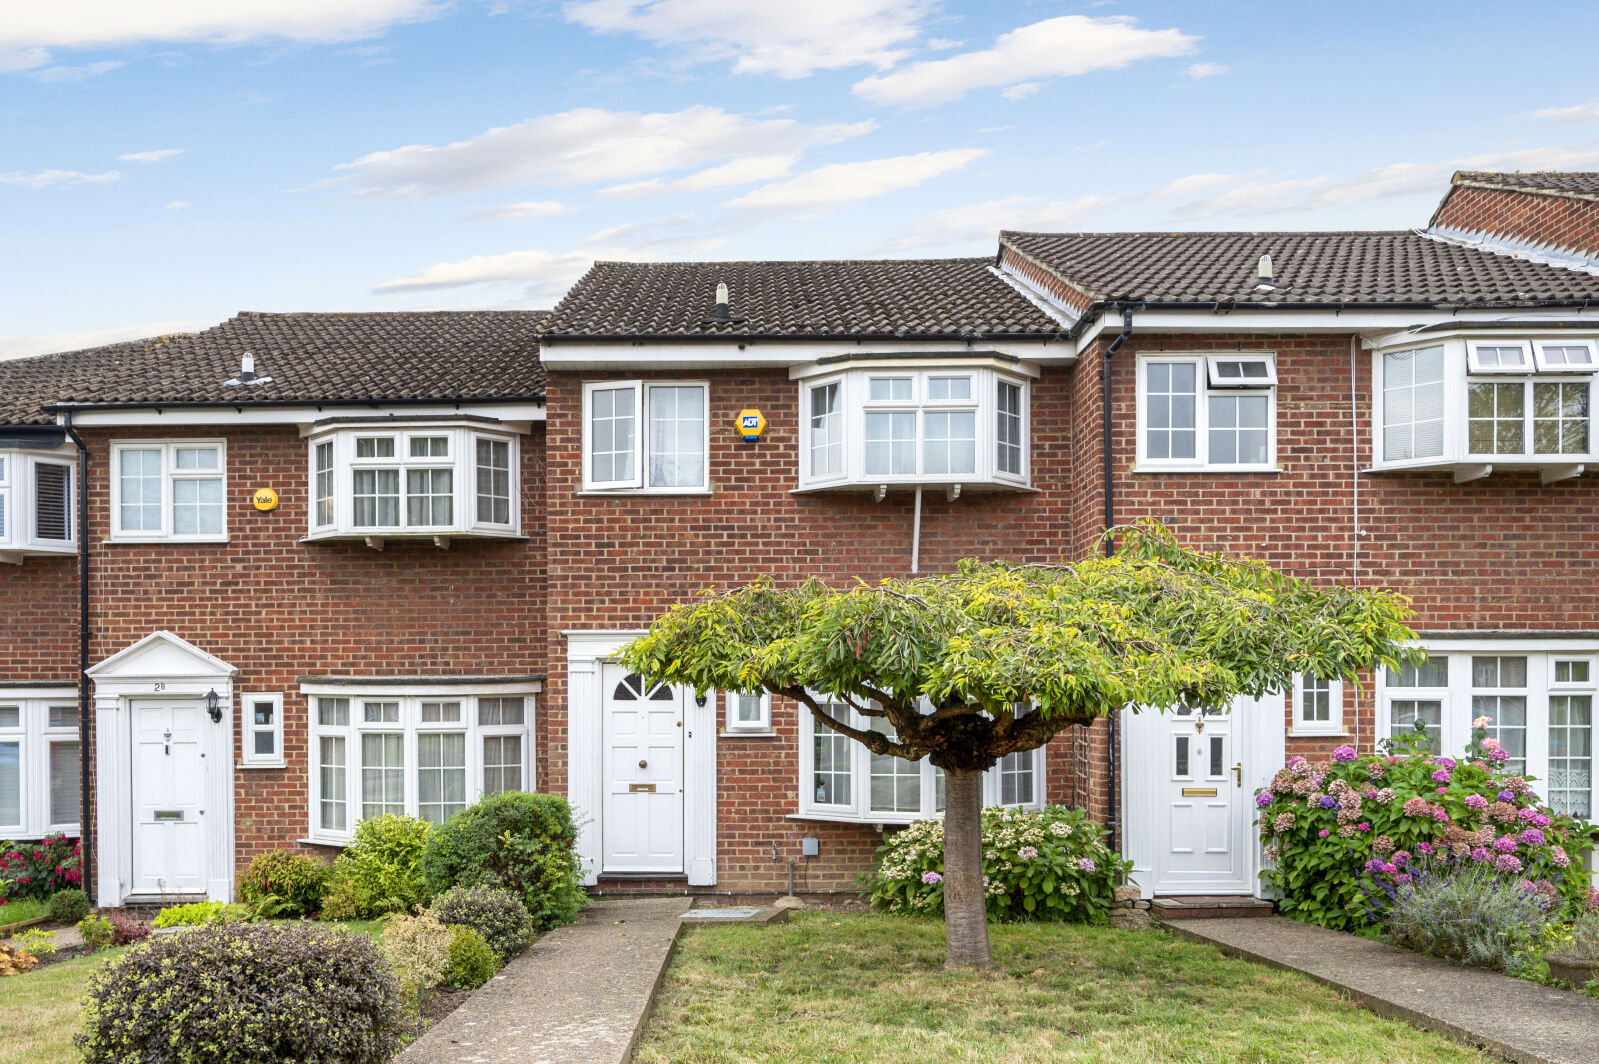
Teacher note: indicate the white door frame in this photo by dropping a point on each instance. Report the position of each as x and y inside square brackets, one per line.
[1259, 738]
[585, 773]
[161, 666]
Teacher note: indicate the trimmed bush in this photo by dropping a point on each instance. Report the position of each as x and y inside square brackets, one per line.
[202, 912]
[522, 842]
[472, 960]
[36, 942]
[1470, 914]
[245, 994]
[69, 906]
[493, 912]
[126, 930]
[1340, 835]
[283, 883]
[419, 949]
[380, 872]
[39, 869]
[96, 931]
[1043, 864]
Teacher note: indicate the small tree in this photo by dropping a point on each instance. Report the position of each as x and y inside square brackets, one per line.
[994, 658]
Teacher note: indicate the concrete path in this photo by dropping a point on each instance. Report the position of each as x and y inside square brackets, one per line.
[580, 995]
[1511, 1018]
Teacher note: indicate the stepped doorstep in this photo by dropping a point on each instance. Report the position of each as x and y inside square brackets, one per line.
[1209, 907]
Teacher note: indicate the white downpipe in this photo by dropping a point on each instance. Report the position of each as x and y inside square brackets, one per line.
[916, 533]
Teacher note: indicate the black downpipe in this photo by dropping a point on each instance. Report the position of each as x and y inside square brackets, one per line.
[85, 722]
[1113, 804]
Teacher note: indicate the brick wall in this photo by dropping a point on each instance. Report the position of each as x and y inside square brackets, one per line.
[1543, 217]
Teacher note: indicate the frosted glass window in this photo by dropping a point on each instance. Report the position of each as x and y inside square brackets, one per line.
[11, 784]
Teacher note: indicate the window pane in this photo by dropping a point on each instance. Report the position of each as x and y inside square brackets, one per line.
[10, 716]
[11, 783]
[890, 444]
[1413, 404]
[896, 784]
[1570, 785]
[429, 497]
[499, 711]
[1567, 355]
[331, 767]
[1315, 700]
[1008, 426]
[677, 436]
[750, 709]
[333, 712]
[441, 775]
[950, 443]
[266, 743]
[1016, 778]
[196, 507]
[1433, 672]
[1495, 417]
[946, 389]
[1171, 394]
[1403, 714]
[196, 457]
[67, 716]
[502, 763]
[139, 483]
[1506, 713]
[827, 432]
[52, 502]
[889, 389]
[1560, 417]
[375, 447]
[430, 446]
[832, 760]
[380, 712]
[64, 777]
[441, 712]
[382, 775]
[323, 488]
[611, 418]
[494, 482]
[377, 498]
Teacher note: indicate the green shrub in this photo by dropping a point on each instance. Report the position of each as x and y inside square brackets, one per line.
[418, 947]
[1340, 834]
[1470, 914]
[472, 960]
[69, 906]
[245, 994]
[36, 942]
[493, 912]
[1044, 864]
[283, 883]
[380, 872]
[201, 912]
[522, 842]
[39, 869]
[96, 931]
[126, 930]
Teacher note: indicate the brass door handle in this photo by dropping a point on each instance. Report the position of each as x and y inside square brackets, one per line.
[1238, 774]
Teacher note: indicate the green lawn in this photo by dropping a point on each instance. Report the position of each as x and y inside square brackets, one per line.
[14, 912]
[834, 989]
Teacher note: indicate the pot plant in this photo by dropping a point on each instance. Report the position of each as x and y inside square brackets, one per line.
[1577, 962]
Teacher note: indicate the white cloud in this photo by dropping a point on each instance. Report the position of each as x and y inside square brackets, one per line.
[979, 223]
[46, 178]
[1576, 115]
[1207, 70]
[157, 156]
[582, 146]
[541, 271]
[1057, 47]
[678, 236]
[73, 73]
[179, 205]
[788, 39]
[745, 171]
[1020, 92]
[516, 212]
[844, 182]
[30, 30]
[21, 345]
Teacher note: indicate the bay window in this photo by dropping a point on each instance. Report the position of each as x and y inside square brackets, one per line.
[891, 424]
[36, 505]
[842, 780]
[40, 764]
[1207, 413]
[169, 490]
[423, 478]
[649, 436]
[426, 755]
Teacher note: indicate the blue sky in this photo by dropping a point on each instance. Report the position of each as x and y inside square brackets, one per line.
[166, 163]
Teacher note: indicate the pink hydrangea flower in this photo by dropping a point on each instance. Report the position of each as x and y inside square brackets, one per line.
[1476, 801]
[1508, 863]
[1344, 753]
[1425, 848]
[1505, 844]
[1323, 833]
[1086, 864]
[931, 877]
[1480, 853]
[1027, 853]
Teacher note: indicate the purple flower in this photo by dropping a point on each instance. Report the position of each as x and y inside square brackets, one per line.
[1401, 858]
[1527, 814]
[1403, 877]
[1499, 754]
[1540, 821]
[1440, 814]
[1476, 801]
[1531, 837]
[1389, 869]
[1506, 796]
[1296, 761]
[1443, 790]
[1480, 853]
[1085, 865]
[1425, 848]
[1374, 866]
[1444, 762]
[931, 877]
[1263, 799]
[1323, 833]
[1508, 863]
[1362, 826]
[1327, 801]
[1505, 844]
[1441, 776]
[1344, 753]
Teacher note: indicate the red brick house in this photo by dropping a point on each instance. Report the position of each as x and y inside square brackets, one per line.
[401, 548]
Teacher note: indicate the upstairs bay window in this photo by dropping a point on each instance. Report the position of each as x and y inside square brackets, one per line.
[434, 479]
[1473, 405]
[874, 427]
[169, 490]
[650, 436]
[1207, 413]
[37, 502]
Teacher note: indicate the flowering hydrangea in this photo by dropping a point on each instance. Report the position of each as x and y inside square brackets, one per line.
[1327, 801]
[1508, 863]
[1441, 776]
[1263, 799]
[931, 878]
[1506, 796]
[1444, 762]
[1505, 844]
[1384, 796]
[1557, 854]
[1060, 830]
[1501, 754]
[1476, 801]
[1085, 864]
[1418, 807]
[1425, 848]
[1027, 853]
[1532, 837]
[1481, 853]
[1284, 821]
[1323, 833]
[1344, 753]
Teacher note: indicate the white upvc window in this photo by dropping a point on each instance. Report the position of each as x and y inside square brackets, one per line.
[377, 751]
[1318, 705]
[40, 766]
[651, 436]
[1476, 404]
[426, 478]
[840, 779]
[1537, 696]
[261, 730]
[749, 713]
[169, 490]
[37, 505]
[895, 424]
[1207, 413]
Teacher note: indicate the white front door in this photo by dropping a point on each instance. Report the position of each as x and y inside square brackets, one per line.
[1188, 809]
[168, 781]
[641, 820]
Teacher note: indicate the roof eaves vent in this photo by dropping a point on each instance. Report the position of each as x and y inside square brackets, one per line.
[247, 377]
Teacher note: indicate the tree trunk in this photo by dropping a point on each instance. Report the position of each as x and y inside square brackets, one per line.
[965, 904]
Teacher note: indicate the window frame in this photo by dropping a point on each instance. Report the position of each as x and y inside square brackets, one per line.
[460, 459]
[732, 725]
[1541, 364]
[1475, 366]
[168, 476]
[36, 738]
[411, 727]
[1334, 724]
[1204, 392]
[248, 758]
[19, 503]
[638, 483]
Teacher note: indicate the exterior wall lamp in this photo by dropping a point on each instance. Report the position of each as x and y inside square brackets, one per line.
[213, 705]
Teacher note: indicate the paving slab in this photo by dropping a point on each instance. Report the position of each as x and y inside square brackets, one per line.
[1511, 1018]
[580, 995]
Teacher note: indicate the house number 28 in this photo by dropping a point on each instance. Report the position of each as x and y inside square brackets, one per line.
[160, 686]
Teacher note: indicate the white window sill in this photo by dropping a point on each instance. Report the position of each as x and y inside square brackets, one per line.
[966, 485]
[115, 540]
[1301, 733]
[601, 493]
[876, 820]
[260, 764]
[1222, 470]
[336, 843]
[746, 733]
[420, 535]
